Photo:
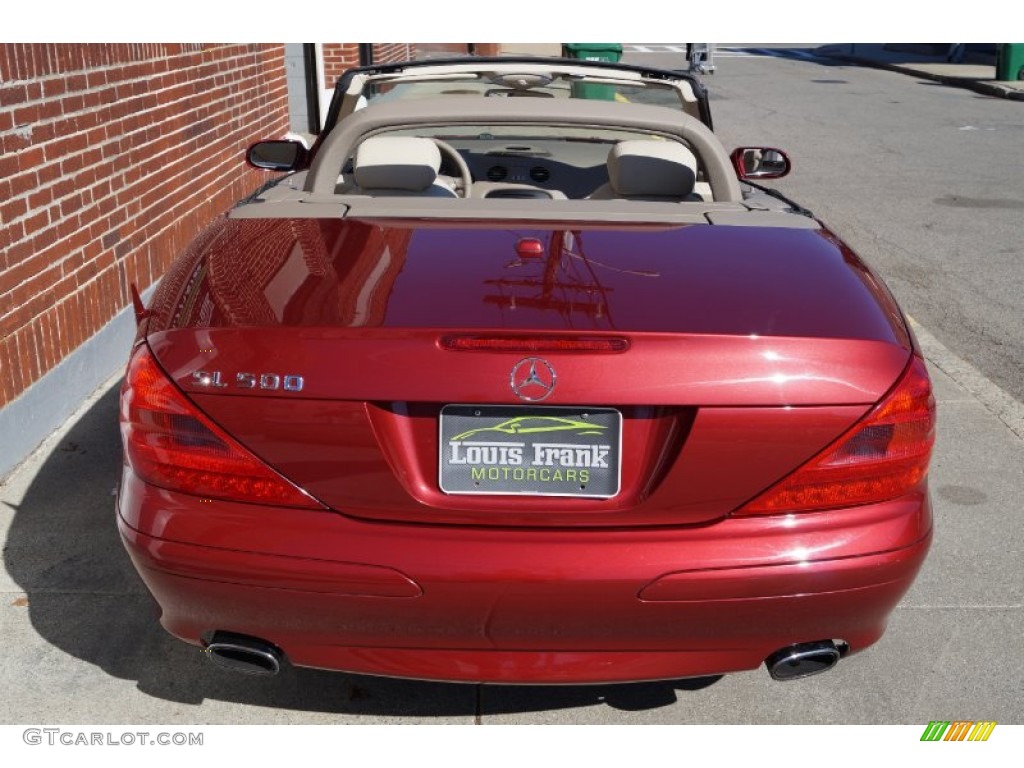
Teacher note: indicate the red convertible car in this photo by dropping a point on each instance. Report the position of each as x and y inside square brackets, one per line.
[518, 376]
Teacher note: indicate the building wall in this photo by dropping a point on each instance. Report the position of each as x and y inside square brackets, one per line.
[112, 158]
[341, 56]
[385, 53]
[337, 58]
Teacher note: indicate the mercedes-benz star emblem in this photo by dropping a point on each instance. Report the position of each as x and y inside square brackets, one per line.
[533, 379]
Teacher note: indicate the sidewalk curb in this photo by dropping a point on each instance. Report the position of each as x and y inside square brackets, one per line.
[987, 87]
[989, 395]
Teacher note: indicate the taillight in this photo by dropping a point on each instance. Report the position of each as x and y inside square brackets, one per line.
[169, 443]
[883, 456]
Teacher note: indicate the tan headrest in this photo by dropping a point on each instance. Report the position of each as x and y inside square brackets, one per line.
[652, 169]
[397, 162]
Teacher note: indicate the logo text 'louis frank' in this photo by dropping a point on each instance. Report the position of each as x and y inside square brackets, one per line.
[542, 455]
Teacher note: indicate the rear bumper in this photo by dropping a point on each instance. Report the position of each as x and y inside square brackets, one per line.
[522, 606]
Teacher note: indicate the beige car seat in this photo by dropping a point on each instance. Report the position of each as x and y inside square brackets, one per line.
[639, 169]
[387, 166]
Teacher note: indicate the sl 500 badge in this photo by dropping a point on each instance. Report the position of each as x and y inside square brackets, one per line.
[270, 382]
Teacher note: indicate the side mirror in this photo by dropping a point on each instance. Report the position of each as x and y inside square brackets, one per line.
[760, 163]
[277, 155]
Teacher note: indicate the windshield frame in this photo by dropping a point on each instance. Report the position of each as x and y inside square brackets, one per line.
[667, 77]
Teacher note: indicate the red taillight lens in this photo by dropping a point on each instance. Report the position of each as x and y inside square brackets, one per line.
[883, 456]
[169, 443]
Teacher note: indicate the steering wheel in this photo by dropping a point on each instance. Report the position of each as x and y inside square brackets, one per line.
[466, 177]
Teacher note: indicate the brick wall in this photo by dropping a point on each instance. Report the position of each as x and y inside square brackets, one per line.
[386, 53]
[112, 158]
[341, 56]
[337, 58]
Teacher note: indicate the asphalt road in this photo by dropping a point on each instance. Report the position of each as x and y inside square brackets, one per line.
[923, 180]
[82, 641]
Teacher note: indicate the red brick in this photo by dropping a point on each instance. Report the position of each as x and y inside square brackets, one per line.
[64, 289]
[60, 340]
[41, 197]
[47, 173]
[13, 319]
[27, 114]
[47, 345]
[72, 245]
[54, 87]
[75, 320]
[31, 339]
[44, 132]
[36, 222]
[13, 209]
[76, 102]
[29, 159]
[21, 362]
[18, 252]
[13, 366]
[13, 94]
[96, 78]
[71, 204]
[10, 234]
[27, 356]
[38, 304]
[33, 277]
[44, 239]
[14, 142]
[9, 165]
[7, 389]
[64, 187]
[49, 109]
[58, 149]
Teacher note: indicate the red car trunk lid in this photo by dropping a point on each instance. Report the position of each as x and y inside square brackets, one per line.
[320, 346]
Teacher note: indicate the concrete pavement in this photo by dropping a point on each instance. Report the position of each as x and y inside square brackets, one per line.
[972, 72]
[979, 77]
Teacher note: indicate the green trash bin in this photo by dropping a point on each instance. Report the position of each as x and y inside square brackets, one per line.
[1010, 61]
[611, 52]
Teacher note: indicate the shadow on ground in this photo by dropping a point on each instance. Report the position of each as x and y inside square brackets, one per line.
[85, 599]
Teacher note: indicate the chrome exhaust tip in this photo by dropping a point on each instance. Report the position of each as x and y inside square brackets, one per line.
[804, 659]
[245, 654]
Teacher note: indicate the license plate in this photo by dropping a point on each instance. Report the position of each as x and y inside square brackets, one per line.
[530, 450]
